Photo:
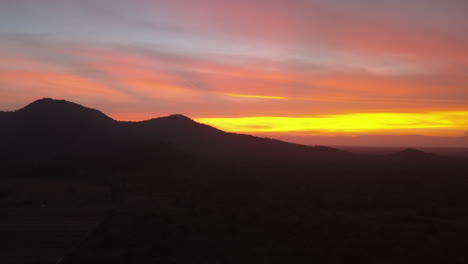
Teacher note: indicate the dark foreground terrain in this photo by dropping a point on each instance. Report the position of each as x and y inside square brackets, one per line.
[174, 191]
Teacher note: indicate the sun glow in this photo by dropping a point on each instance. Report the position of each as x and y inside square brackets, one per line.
[346, 123]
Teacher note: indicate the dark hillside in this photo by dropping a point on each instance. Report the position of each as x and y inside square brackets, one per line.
[50, 126]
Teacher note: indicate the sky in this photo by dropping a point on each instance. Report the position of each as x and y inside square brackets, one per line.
[296, 69]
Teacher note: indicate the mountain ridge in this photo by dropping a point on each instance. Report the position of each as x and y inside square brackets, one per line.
[60, 122]
[56, 108]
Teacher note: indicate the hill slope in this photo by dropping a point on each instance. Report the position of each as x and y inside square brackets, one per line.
[55, 125]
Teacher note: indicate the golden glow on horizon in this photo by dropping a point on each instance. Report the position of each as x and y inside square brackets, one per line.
[346, 123]
[256, 96]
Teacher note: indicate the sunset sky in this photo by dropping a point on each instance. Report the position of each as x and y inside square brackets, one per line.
[280, 68]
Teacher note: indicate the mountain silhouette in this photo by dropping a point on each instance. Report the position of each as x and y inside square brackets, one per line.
[413, 154]
[49, 129]
[47, 126]
[54, 126]
[51, 109]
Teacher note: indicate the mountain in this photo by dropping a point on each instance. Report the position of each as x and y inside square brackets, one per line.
[413, 154]
[55, 110]
[207, 141]
[50, 129]
[49, 125]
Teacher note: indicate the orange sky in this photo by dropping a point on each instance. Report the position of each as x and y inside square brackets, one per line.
[297, 67]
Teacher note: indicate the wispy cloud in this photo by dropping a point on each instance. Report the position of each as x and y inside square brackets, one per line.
[257, 96]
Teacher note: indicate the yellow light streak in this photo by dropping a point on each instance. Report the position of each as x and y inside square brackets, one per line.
[358, 122]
